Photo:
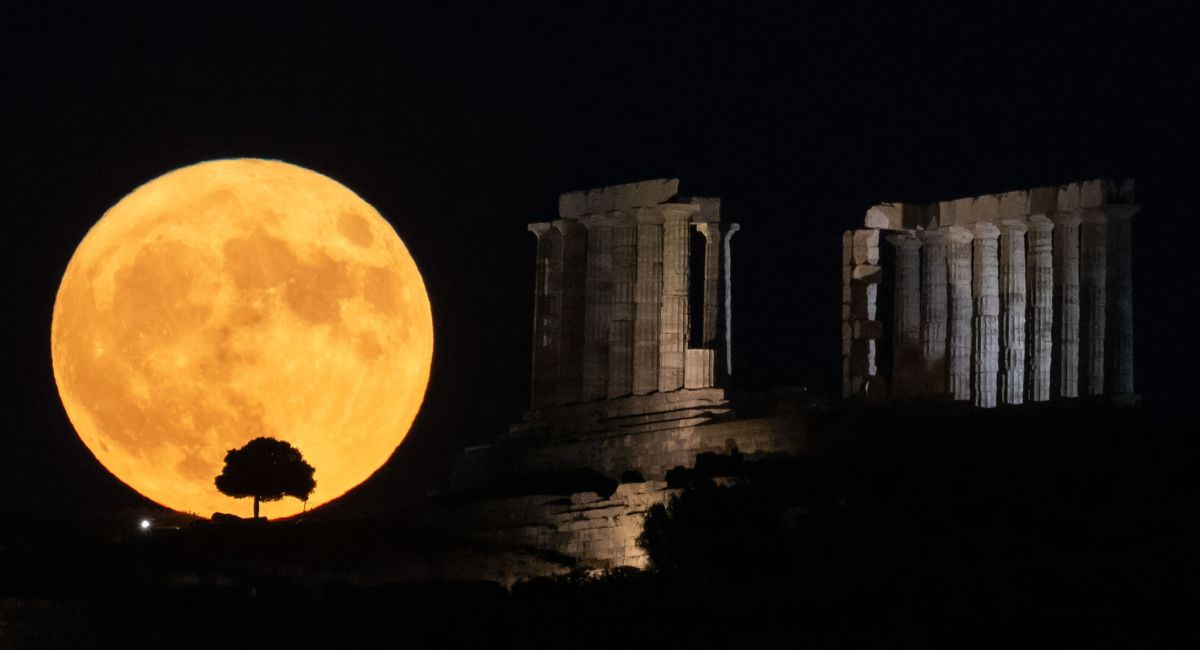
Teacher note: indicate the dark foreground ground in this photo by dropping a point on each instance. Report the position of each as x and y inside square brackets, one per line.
[1076, 525]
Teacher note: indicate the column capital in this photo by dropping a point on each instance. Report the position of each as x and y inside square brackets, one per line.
[712, 229]
[1010, 227]
[932, 237]
[538, 229]
[1040, 223]
[1066, 218]
[678, 211]
[958, 234]
[985, 230]
[904, 240]
[564, 226]
[591, 220]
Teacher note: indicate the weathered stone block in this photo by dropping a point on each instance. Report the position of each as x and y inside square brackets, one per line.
[1043, 200]
[617, 197]
[1014, 205]
[866, 246]
[1068, 197]
[885, 215]
[1091, 193]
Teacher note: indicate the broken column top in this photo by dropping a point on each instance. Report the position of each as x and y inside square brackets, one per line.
[1017, 205]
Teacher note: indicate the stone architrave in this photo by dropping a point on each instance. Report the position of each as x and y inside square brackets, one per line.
[985, 284]
[1012, 310]
[1039, 275]
[1064, 377]
[1120, 298]
[597, 306]
[572, 311]
[673, 320]
[906, 367]
[1093, 255]
[648, 301]
[620, 329]
[933, 311]
[961, 310]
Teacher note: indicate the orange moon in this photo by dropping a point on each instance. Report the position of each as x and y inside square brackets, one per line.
[234, 299]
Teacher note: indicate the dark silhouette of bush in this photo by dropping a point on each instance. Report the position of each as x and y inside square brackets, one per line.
[268, 470]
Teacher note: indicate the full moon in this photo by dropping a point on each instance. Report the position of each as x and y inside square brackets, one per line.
[234, 299]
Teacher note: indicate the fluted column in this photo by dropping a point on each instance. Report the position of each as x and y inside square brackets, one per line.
[1093, 256]
[1064, 377]
[648, 301]
[724, 356]
[673, 320]
[961, 308]
[547, 306]
[906, 376]
[1039, 336]
[571, 316]
[1012, 310]
[933, 311]
[985, 285]
[712, 254]
[597, 306]
[1120, 297]
[620, 328]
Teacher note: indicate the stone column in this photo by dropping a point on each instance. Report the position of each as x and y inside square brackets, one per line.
[724, 356]
[597, 306]
[712, 254]
[620, 328]
[547, 308]
[933, 311]
[961, 308]
[571, 315]
[906, 378]
[864, 329]
[648, 301]
[1120, 298]
[673, 320]
[1064, 378]
[985, 284]
[1092, 299]
[1039, 274]
[1012, 309]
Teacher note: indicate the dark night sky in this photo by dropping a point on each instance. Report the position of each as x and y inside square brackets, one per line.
[461, 126]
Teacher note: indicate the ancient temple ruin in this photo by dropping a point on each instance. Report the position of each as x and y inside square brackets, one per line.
[631, 339]
[999, 299]
[613, 342]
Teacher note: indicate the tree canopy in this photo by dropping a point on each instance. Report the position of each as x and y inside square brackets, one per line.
[268, 470]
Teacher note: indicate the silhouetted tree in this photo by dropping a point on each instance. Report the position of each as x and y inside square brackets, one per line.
[268, 470]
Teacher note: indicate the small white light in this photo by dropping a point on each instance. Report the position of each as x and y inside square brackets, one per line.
[145, 525]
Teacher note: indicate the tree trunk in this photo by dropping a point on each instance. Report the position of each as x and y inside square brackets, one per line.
[256, 506]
